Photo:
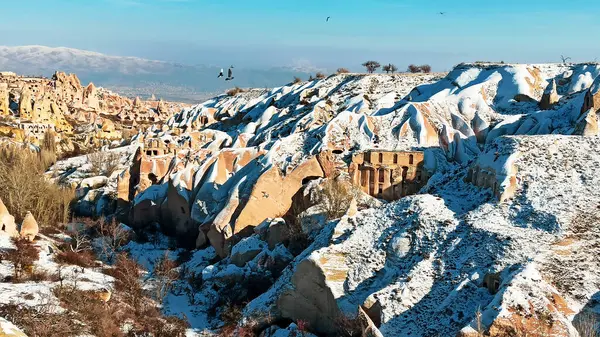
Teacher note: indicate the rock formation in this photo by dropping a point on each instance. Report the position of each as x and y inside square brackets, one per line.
[550, 96]
[29, 228]
[7, 222]
[4, 100]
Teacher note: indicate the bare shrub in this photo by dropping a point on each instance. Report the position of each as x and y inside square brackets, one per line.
[390, 68]
[24, 188]
[371, 66]
[346, 327]
[231, 316]
[22, 257]
[311, 78]
[127, 275]
[104, 163]
[342, 71]
[83, 259]
[320, 75]
[297, 80]
[335, 198]
[166, 275]
[426, 68]
[234, 91]
[41, 321]
[587, 325]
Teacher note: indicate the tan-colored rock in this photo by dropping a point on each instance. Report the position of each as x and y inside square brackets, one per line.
[90, 97]
[7, 329]
[550, 96]
[592, 97]
[4, 100]
[7, 222]
[29, 228]
[25, 106]
[587, 125]
[368, 328]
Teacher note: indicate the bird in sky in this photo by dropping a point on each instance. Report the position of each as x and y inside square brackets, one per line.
[329, 17]
[229, 75]
[442, 13]
[220, 74]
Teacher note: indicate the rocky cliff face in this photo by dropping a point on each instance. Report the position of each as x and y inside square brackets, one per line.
[497, 239]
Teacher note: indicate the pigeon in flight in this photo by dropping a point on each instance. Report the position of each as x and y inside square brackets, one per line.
[329, 17]
[229, 75]
[442, 13]
[220, 74]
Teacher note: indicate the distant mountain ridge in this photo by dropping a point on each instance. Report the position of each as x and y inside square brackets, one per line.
[134, 76]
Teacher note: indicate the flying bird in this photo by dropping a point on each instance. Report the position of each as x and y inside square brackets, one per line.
[442, 13]
[220, 74]
[329, 17]
[229, 75]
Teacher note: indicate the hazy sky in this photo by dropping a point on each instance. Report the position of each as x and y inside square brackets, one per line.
[289, 32]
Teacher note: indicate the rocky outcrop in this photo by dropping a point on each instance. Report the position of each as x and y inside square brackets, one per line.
[29, 228]
[550, 96]
[7, 222]
[587, 124]
[592, 97]
[25, 106]
[7, 329]
[4, 100]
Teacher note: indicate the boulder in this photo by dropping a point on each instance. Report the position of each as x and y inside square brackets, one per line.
[7, 329]
[273, 231]
[7, 222]
[246, 250]
[592, 97]
[29, 228]
[93, 182]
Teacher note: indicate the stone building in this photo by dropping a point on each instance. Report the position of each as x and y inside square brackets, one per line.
[389, 175]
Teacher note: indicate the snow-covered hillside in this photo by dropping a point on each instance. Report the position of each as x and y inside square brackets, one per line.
[505, 229]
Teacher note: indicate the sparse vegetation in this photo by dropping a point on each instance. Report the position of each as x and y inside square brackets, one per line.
[419, 69]
[21, 258]
[342, 71]
[165, 274]
[24, 188]
[390, 68]
[371, 66]
[587, 325]
[297, 80]
[346, 327]
[234, 91]
[335, 198]
[320, 75]
[104, 163]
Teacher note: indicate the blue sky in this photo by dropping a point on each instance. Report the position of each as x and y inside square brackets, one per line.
[288, 32]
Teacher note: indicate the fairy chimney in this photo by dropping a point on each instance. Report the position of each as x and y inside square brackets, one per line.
[7, 222]
[29, 228]
[550, 97]
[4, 101]
[25, 106]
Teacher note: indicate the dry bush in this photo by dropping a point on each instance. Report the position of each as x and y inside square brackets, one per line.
[234, 91]
[104, 163]
[231, 316]
[346, 327]
[390, 68]
[587, 325]
[42, 322]
[114, 236]
[83, 259]
[22, 258]
[371, 66]
[426, 68]
[24, 188]
[342, 71]
[165, 274]
[297, 80]
[311, 78]
[335, 198]
[419, 69]
[127, 275]
[320, 75]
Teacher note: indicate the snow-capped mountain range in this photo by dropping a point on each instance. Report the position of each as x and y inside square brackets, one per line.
[134, 76]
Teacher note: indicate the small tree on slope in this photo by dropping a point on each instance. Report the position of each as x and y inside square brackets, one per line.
[371, 66]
